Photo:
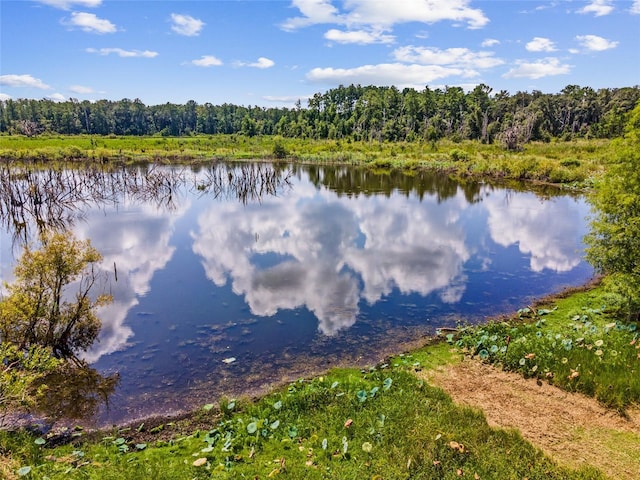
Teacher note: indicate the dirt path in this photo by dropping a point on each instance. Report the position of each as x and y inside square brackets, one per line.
[573, 429]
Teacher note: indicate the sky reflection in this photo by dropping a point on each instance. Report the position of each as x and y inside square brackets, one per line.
[324, 267]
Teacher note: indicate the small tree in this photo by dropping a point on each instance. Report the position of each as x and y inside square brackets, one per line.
[41, 309]
[614, 240]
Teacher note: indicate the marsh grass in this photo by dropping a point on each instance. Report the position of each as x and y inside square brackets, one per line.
[575, 163]
[577, 344]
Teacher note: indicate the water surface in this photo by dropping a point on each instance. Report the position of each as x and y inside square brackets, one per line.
[229, 278]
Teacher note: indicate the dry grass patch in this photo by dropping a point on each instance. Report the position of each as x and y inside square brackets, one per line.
[573, 429]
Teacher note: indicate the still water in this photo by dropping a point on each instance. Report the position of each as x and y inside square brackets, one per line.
[228, 278]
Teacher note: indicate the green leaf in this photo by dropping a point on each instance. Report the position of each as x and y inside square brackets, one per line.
[207, 407]
[24, 471]
[386, 385]
[362, 395]
[275, 425]
[40, 441]
[141, 446]
[277, 405]
[252, 428]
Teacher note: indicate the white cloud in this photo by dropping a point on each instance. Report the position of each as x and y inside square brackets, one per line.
[490, 42]
[81, 89]
[68, 4]
[397, 74]
[598, 8]
[635, 7]
[383, 14]
[4, 96]
[89, 22]
[456, 57]
[262, 62]
[123, 53]
[540, 68]
[361, 37]
[595, 43]
[186, 25]
[314, 12]
[540, 44]
[23, 81]
[207, 61]
[57, 97]
[285, 98]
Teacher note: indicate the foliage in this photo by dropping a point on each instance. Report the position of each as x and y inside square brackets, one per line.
[40, 310]
[378, 423]
[351, 112]
[575, 347]
[614, 241]
[20, 372]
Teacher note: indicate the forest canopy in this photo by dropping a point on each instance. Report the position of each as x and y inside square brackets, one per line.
[348, 112]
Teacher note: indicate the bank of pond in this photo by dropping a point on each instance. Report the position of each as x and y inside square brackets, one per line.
[573, 163]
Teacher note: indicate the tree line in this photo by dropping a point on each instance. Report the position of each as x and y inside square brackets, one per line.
[352, 112]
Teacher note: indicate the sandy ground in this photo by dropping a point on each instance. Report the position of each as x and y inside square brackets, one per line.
[572, 429]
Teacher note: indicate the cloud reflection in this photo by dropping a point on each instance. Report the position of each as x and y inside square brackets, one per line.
[547, 230]
[137, 243]
[325, 253]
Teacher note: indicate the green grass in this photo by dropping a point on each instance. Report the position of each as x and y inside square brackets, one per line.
[576, 163]
[577, 344]
[380, 423]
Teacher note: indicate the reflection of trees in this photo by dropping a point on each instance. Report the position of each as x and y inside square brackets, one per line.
[35, 196]
[246, 183]
[355, 181]
[74, 391]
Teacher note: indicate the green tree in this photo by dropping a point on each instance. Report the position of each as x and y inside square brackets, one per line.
[614, 240]
[50, 304]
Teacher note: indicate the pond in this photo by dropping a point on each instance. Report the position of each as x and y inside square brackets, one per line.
[230, 278]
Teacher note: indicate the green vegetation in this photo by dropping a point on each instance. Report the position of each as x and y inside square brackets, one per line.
[614, 240]
[378, 423]
[349, 113]
[37, 311]
[577, 344]
[573, 163]
[43, 326]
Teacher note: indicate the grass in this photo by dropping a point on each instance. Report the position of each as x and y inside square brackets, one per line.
[577, 344]
[350, 424]
[576, 163]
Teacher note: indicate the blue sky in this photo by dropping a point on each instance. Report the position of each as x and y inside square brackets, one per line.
[272, 52]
